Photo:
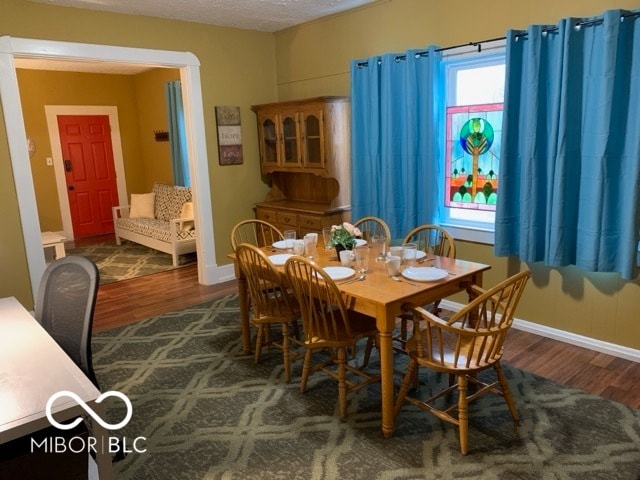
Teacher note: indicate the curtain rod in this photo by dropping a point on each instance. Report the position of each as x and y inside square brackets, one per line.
[425, 53]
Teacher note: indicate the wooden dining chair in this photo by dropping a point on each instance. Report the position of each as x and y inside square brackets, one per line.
[255, 232]
[471, 341]
[433, 240]
[327, 324]
[372, 226]
[272, 303]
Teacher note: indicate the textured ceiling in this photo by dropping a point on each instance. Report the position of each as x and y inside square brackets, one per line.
[262, 15]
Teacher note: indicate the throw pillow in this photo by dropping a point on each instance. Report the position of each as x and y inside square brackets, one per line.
[142, 205]
[187, 212]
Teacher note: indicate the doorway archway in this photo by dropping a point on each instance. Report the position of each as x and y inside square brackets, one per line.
[189, 67]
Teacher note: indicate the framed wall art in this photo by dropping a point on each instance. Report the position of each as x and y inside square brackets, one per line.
[229, 135]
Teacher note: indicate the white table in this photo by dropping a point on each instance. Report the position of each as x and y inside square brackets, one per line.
[32, 368]
[55, 240]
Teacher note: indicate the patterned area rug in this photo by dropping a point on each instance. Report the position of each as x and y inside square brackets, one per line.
[129, 260]
[208, 412]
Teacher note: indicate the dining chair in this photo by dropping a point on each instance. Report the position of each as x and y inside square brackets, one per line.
[470, 342]
[65, 304]
[372, 226]
[256, 232]
[328, 325]
[272, 303]
[433, 240]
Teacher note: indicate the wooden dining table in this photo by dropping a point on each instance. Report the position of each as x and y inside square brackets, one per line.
[381, 297]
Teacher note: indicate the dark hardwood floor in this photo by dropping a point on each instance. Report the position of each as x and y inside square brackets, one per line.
[132, 300]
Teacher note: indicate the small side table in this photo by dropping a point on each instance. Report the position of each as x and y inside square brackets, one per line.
[50, 239]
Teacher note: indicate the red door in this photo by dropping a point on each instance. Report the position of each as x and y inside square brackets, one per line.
[89, 171]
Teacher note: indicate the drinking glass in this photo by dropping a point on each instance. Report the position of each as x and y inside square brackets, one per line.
[310, 250]
[326, 237]
[362, 258]
[289, 237]
[409, 251]
[298, 247]
[346, 257]
[378, 244]
[314, 236]
[393, 265]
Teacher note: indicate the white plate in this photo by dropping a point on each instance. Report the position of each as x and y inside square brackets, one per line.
[360, 242]
[279, 259]
[424, 274]
[339, 273]
[280, 245]
[420, 254]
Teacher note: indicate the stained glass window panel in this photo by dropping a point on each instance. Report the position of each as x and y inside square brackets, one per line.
[474, 136]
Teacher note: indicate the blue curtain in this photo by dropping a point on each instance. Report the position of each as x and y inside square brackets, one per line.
[395, 164]
[570, 165]
[177, 134]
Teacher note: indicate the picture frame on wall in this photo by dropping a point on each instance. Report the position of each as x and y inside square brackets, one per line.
[229, 135]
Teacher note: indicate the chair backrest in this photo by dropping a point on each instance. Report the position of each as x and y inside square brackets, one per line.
[265, 283]
[372, 226]
[324, 314]
[474, 336]
[65, 304]
[255, 232]
[432, 239]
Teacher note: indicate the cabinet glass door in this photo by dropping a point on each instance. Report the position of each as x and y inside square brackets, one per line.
[313, 140]
[269, 142]
[290, 156]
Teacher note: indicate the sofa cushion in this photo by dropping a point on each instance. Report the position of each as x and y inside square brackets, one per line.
[169, 200]
[153, 228]
[142, 205]
[187, 212]
[165, 199]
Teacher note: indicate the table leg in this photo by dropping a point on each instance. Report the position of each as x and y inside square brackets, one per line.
[244, 315]
[386, 382]
[103, 455]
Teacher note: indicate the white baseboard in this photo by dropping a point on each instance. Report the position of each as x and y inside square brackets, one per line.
[566, 337]
[218, 274]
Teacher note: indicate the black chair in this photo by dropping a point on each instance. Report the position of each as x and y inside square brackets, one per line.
[65, 305]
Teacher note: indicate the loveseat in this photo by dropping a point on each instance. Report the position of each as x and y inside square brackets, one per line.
[162, 220]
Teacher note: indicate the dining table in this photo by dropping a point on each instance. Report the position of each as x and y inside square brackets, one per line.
[34, 369]
[380, 296]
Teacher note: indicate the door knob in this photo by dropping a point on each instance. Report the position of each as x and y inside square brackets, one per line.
[71, 187]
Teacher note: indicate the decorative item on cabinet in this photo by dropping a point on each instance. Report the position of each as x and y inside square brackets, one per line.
[304, 150]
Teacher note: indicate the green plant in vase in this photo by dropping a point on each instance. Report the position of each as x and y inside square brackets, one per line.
[343, 237]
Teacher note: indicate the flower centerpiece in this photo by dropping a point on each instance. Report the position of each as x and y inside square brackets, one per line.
[343, 237]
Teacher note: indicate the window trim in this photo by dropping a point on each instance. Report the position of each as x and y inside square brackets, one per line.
[478, 232]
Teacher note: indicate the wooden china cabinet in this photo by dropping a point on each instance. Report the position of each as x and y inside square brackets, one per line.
[305, 153]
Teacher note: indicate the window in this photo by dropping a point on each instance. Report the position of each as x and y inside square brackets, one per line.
[473, 136]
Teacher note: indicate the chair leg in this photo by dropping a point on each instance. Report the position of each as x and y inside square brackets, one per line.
[306, 369]
[286, 352]
[259, 341]
[411, 373]
[342, 382]
[506, 393]
[367, 352]
[463, 414]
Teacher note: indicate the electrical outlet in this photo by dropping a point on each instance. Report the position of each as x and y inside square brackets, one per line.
[49, 161]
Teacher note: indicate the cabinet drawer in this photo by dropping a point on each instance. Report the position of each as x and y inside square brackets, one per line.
[287, 218]
[266, 214]
[310, 222]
